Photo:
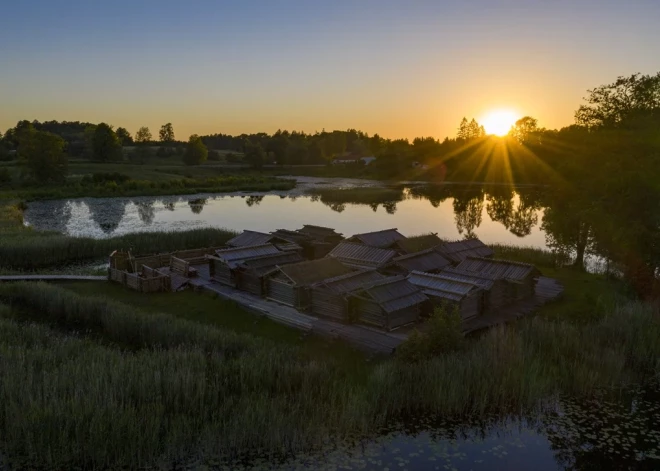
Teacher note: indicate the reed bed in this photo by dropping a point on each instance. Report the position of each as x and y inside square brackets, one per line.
[146, 389]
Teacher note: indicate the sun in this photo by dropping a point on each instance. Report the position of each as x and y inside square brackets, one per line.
[499, 122]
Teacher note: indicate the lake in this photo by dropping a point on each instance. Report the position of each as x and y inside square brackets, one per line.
[415, 212]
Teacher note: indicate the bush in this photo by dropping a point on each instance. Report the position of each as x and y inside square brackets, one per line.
[5, 176]
[444, 335]
[233, 158]
[110, 177]
[214, 156]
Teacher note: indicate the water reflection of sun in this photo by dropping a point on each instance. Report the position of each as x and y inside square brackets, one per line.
[499, 121]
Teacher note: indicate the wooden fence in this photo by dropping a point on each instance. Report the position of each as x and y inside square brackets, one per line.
[151, 284]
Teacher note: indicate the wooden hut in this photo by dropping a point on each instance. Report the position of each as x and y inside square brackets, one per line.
[224, 263]
[388, 304]
[289, 284]
[466, 298]
[458, 251]
[496, 290]
[250, 274]
[418, 243]
[321, 234]
[312, 248]
[384, 239]
[362, 256]
[427, 261]
[329, 296]
[251, 238]
[521, 277]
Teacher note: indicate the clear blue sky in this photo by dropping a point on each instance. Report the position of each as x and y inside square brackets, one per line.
[398, 68]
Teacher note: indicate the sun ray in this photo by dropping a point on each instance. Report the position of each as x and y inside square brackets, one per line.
[499, 122]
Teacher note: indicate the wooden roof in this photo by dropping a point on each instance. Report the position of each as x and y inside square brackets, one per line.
[291, 236]
[426, 260]
[247, 238]
[350, 281]
[313, 271]
[498, 269]
[442, 287]
[462, 249]
[237, 254]
[393, 293]
[484, 282]
[361, 256]
[380, 239]
[267, 263]
[318, 231]
[419, 243]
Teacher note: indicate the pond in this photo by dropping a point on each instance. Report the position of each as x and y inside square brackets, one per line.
[609, 431]
[454, 214]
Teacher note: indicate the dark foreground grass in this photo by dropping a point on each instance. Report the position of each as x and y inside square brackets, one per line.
[154, 389]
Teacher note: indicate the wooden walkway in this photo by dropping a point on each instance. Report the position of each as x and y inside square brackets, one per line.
[52, 278]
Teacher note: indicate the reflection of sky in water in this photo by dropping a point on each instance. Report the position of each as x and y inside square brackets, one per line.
[105, 217]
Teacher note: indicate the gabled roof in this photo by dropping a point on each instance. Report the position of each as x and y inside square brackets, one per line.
[267, 263]
[419, 243]
[313, 271]
[235, 255]
[381, 239]
[426, 260]
[318, 231]
[393, 293]
[291, 236]
[484, 282]
[462, 249]
[498, 269]
[343, 284]
[362, 256]
[442, 287]
[247, 238]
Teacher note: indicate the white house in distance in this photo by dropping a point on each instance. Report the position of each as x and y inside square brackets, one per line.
[348, 159]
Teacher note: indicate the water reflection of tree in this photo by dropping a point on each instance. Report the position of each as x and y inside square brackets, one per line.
[518, 219]
[253, 199]
[390, 207]
[107, 213]
[146, 211]
[197, 205]
[468, 208]
[60, 214]
[169, 206]
[338, 207]
[435, 194]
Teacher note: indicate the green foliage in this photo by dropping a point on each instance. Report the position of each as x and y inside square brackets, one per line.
[5, 176]
[196, 152]
[233, 158]
[143, 135]
[124, 136]
[44, 155]
[106, 146]
[255, 156]
[140, 154]
[166, 133]
[443, 335]
[214, 156]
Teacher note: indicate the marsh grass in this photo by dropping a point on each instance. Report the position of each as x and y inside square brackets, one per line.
[153, 389]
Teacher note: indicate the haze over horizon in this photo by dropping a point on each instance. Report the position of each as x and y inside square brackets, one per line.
[399, 69]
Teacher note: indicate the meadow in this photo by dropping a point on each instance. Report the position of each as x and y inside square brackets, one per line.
[156, 389]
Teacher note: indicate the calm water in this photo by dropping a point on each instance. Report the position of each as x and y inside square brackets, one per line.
[450, 218]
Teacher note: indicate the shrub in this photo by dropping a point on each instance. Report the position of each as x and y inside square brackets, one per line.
[110, 177]
[5, 176]
[214, 156]
[444, 335]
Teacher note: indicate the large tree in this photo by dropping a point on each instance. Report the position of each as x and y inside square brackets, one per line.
[124, 136]
[612, 104]
[166, 133]
[524, 129]
[143, 135]
[196, 152]
[44, 154]
[254, 155]
[106, 146]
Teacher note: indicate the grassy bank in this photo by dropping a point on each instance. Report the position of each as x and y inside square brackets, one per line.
[22, 248]
[368, 195]
[152, 388]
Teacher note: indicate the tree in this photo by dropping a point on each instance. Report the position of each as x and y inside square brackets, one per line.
[524, 128]
[475, 131]
[196, 152]
[143, 135]
[610, 105]
[254, 155]
[463, 129]
[44, 155]
[106, 146]
[124, 136]
[140, 154]
[166, 133]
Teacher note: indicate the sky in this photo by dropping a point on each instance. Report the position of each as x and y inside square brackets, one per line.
[397, 68]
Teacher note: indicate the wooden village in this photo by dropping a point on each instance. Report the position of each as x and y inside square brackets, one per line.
[369, 289]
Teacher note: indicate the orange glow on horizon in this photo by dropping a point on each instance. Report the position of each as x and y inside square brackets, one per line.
[499, 122]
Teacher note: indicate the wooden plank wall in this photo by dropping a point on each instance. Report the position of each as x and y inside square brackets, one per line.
[328, 304]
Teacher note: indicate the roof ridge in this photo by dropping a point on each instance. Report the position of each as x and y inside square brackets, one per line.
[415, 254]
[499, 260]
[438, 275]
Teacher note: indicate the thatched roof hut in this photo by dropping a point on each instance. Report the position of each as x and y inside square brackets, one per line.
[522, 277]
[388, 304]
[418, 243]
[427, 261]
[329, 296]
[381, 239]
[290, 284]
[458, 251]
[362, 256]
[466, 298]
